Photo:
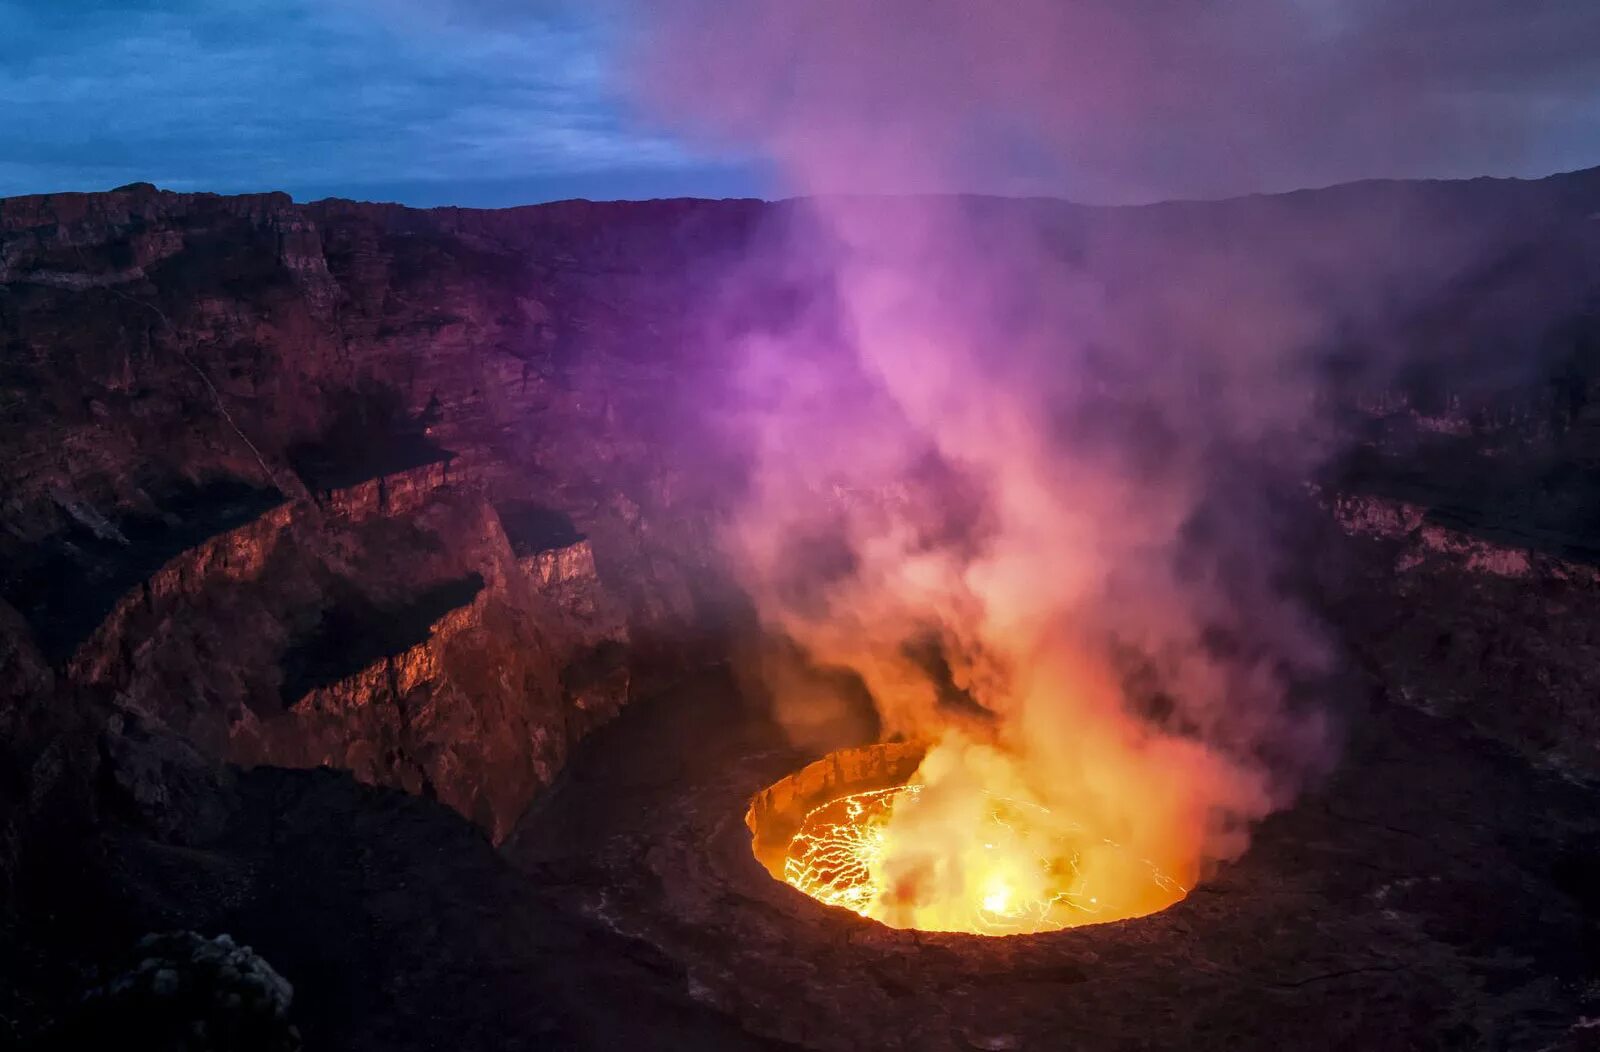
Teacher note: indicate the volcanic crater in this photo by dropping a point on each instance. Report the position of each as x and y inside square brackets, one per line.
[361, 602]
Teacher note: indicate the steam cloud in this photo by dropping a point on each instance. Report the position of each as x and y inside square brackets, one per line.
[1030, 510]
[1014, 469]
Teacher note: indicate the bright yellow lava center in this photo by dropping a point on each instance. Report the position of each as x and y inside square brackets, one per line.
[993, 867]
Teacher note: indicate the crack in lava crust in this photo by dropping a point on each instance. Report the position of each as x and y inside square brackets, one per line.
[1021, 872]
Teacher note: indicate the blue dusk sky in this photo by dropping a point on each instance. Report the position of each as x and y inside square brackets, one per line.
[351, 98]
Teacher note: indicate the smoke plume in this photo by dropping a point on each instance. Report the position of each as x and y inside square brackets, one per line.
[1032, 510]
[1017, 466]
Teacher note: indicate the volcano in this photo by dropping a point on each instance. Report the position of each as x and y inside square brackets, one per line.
[474, 629]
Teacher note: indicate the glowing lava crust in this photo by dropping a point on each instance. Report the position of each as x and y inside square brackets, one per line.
[899, 855]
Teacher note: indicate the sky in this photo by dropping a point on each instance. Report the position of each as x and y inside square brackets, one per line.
[421, 104]
[498, 102]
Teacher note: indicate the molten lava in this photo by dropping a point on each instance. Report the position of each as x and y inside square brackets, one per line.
[983, 864]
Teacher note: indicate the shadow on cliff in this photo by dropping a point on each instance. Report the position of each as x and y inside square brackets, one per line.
[356, 632]
[371, 434]
[67, 584]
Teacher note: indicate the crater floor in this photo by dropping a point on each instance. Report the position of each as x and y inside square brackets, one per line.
[1435, 892]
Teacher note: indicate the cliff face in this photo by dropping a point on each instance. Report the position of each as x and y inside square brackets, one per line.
[1498, 631]
[174, 333]
[400, 639]
[257, 459]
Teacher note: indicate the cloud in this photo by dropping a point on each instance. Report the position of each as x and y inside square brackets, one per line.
[343, 97]
[1130, 99]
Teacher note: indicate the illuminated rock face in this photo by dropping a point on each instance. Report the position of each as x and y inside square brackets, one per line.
[411, 647]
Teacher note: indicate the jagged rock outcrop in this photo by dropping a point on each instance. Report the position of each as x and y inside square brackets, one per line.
[184, 991]
[387, 629]
[1424, 543]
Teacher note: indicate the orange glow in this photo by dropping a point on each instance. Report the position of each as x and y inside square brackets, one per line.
[943, 855]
